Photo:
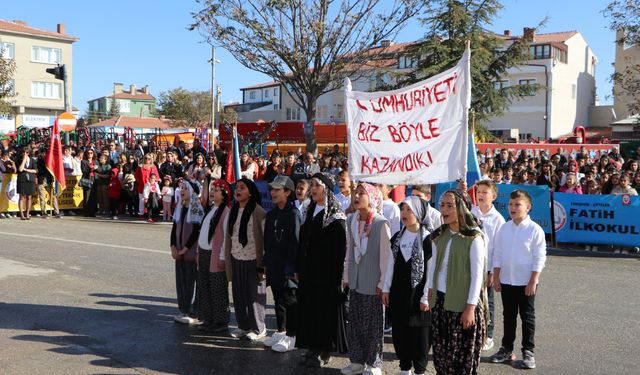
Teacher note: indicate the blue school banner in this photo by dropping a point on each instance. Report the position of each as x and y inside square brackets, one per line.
[597, 219]
[540, 203]
[265, 195]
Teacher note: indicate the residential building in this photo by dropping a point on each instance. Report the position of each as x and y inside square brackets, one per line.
[39, 96]
[562, 64]
[565, 66]
[134, 103]
[627, 59]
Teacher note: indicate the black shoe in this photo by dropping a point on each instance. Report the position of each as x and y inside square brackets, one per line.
[503, 355]
[528, 361]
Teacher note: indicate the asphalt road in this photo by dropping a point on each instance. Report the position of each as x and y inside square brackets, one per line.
[93, 296]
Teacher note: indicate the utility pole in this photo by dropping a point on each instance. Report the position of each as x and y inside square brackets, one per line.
[213, 94]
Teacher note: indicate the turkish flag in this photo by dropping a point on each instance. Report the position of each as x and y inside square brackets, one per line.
[231, 178]
[53, 162]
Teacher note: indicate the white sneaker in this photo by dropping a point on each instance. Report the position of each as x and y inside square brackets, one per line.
[274, 339]
[238, 333]
[353, 369]
[488, 344]
[286, 344]
[114, 218]
[373, 371]
[182, 318]
[255, 336]
[408, 372]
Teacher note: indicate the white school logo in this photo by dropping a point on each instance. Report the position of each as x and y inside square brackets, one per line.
[559, 216]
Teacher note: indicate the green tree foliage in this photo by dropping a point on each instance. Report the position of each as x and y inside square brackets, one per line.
[449, 24]
[186, 108]
[624, 15]
[7, 89]
[308, 45]
[114, 108]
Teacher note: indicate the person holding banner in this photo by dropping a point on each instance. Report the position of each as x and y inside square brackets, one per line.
[456, 275]
[486, 193]
[320, 269]
[404, 288]
[368, 249]
[519, 257]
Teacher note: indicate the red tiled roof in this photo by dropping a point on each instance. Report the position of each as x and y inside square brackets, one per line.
[140, 95]
[262, 85]
[559, 37]
[19, 28]
[135, 122]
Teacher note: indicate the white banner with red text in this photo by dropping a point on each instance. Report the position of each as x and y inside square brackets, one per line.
[414, 135]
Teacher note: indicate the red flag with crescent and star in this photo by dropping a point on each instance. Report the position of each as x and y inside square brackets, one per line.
[53, 161]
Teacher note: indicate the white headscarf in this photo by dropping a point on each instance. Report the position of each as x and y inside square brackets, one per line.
[195, 213]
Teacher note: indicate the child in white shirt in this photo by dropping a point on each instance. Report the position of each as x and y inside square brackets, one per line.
[151, 195]
[520, 253]
[344, 186]
[486, 193]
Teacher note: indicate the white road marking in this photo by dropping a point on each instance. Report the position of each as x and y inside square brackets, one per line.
[84, 242]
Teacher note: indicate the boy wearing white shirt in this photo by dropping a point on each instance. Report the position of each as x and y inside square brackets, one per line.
[344, 186]
[486, 193]
[520, 252]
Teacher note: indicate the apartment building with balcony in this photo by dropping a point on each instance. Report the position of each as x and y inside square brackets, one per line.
[38, 96]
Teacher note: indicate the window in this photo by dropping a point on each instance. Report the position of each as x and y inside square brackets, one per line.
[276, 107]
[339, 113]
[266, 93]
[574, 91]
[8, 89]
[321, 112]
[407, 62]
[293, 113]
[252, 94]
[499, 85]
[7, 50]
[46, 90]
[46, 55]
[124, 105]
[275, 92]
[529, 86]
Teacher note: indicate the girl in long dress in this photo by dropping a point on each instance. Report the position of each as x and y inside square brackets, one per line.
[320, 267]
[456, 276]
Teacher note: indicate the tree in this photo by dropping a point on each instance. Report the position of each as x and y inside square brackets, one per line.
[449, 24]
[624, 19]
[114, 108]
[186, 108]
[309, 46]
[7, 89]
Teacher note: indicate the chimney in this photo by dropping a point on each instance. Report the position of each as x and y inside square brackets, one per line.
[507, 33]
[20, 22]
[529, 34]
[61, 29]
[132, 89]
[386, 43]
[117, 88]
[145, 89]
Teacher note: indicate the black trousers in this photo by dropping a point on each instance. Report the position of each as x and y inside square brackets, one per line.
[186, 275]
[515, 302]
[285, 313]
[411, 345]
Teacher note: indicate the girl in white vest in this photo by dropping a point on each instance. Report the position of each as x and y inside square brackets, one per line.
[368, 248]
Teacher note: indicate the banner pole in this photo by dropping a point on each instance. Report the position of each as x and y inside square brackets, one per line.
[553, 221]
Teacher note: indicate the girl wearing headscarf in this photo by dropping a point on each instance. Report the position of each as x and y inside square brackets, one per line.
[213, 294]
[405, 289]
[368, 249]
[243, 250]
[320, 266]
[455, 280]
[184, 237]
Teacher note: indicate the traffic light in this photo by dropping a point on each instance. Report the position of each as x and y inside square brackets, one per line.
[58, 72]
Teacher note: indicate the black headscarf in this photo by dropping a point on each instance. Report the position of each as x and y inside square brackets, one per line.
[254, 200]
